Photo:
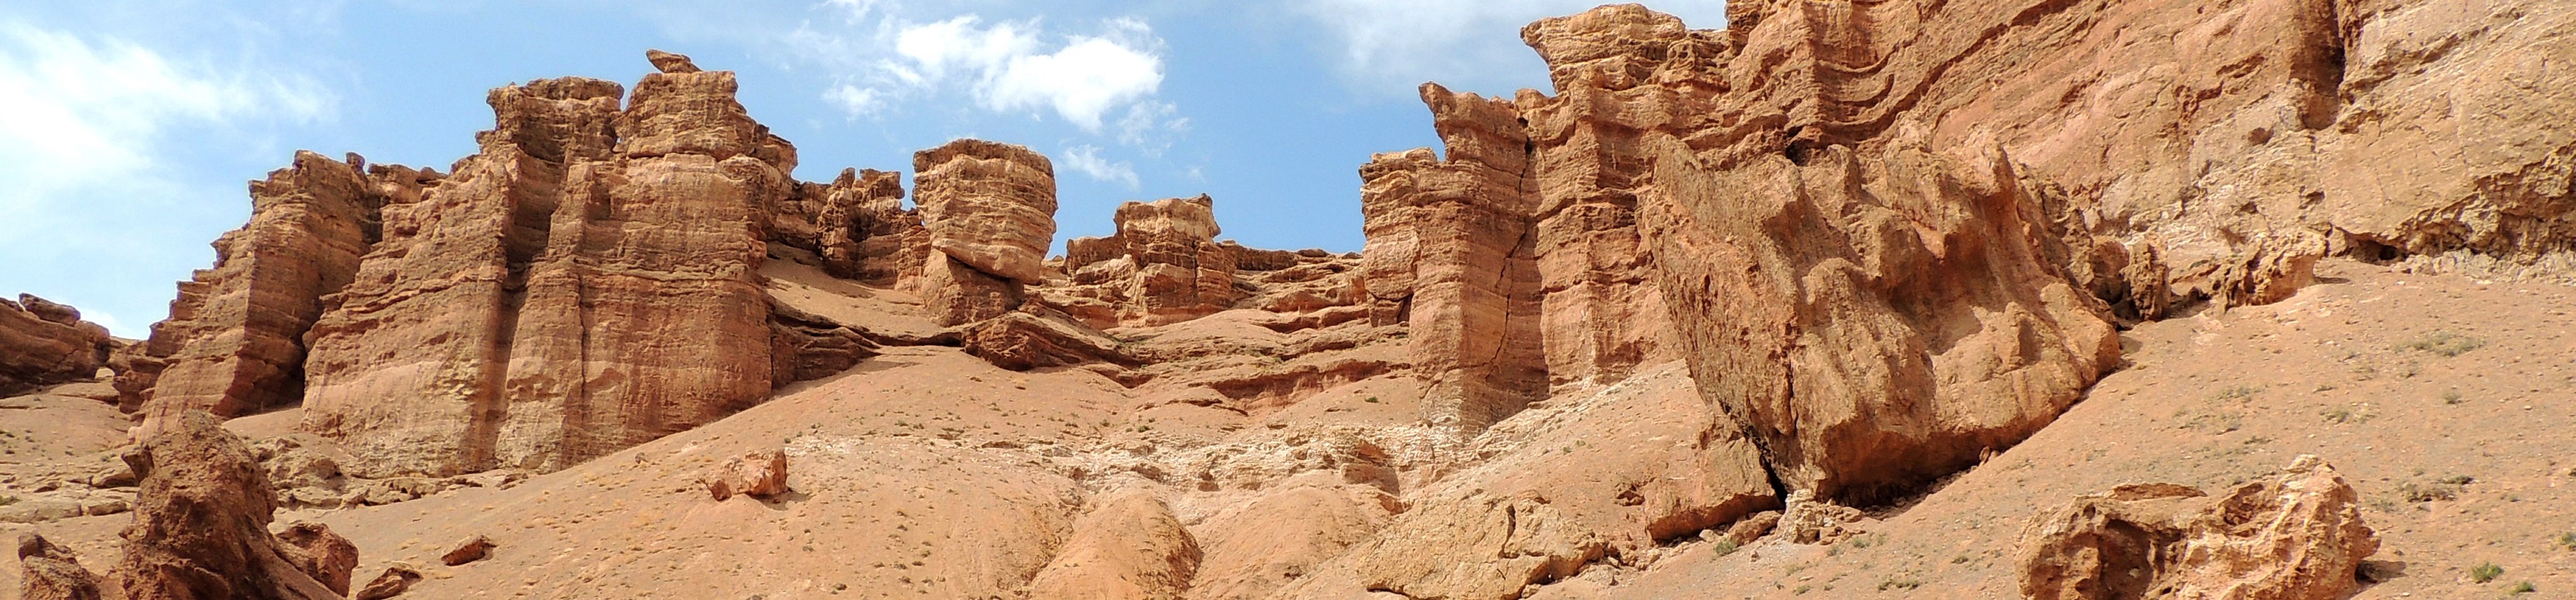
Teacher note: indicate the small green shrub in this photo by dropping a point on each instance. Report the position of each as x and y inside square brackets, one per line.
[2445, 343]
[2567, 541]
[1724, 547]
[2451, 397]
[2485, 572]
[2523, 588]
[1900, 584]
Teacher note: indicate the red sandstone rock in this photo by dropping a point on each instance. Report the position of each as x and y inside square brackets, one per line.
[43, 343]
[234, 343]
[468, 550]
[989, 205]
[1129, 547]
[593, 271]
[52, 572]
[315, 550]
[1171, 269]
[1023, 340]
[759, 475]
[2296, 536]
[200, 527]
[396, 579]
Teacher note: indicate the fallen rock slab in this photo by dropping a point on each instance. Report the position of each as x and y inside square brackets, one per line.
[470, 550]
[396, 579]
[2295, 536]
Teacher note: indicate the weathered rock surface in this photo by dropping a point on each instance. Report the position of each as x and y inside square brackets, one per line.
[1445, 257]
[468, 550]
[43, 343]
[856, 227]
[1129, 547]
[1023, 340]
[1605, 478]
[2295, 536]
[1162, 266]
[586, 282]
[52, 572]
[396, 579]
[200, 527]
[989, 211]
[759, 475]
[989, 205]
[234, 343]
[315, 550]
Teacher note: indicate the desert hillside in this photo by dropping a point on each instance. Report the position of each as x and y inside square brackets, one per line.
[2256, 299]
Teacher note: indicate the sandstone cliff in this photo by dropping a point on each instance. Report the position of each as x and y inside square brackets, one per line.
[43, 343]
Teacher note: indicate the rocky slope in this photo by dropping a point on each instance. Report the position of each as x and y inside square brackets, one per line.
[1832, 288]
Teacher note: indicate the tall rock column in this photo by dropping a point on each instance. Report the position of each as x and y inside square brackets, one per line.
[407, 364]
[1449, 253]
[990, 211]
[586, 282]
[234, 342]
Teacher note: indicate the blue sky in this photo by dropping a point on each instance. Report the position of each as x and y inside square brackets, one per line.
[128, 129]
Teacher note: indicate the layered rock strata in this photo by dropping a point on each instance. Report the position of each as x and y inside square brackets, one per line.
[989, 209]
[1162, 266]
[234, 342]
[44, 343]
[586, 282]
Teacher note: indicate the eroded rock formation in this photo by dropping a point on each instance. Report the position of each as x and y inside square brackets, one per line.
[1129, 547]
[44, 343]
[2295, 536]
[200, 527]
[587, 281]
[1162, 266]
[234, 342]
[990, 212]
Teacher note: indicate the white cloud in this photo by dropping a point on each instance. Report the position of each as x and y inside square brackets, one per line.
[77, 115]
[1004, 66]
[857, 101]
[1468, 43]
[1086, 158]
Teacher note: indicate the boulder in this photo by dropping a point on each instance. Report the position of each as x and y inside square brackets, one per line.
[470, 549]
[1023, 340]
[396, 579]
[761, 475]
[318, 552]
[200, 527]
[2296, 535]
[52, 572]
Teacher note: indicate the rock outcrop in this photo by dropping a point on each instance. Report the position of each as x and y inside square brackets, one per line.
[200, 527]
[315, 550]
[1129, 547]
[856, 227]
[1162, 266]
[44, 343]
[1607, 478]
[234, 343]
[586, 282]
[52, 572]
[989, 209]
[2295, 536]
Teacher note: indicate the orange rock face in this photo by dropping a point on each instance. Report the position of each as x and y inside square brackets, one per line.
[1163, 265]
[989, 209]
[758, 475]
[586, 282]
[234, 343]
[200, 527]
[52, 572]
[44, 343]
